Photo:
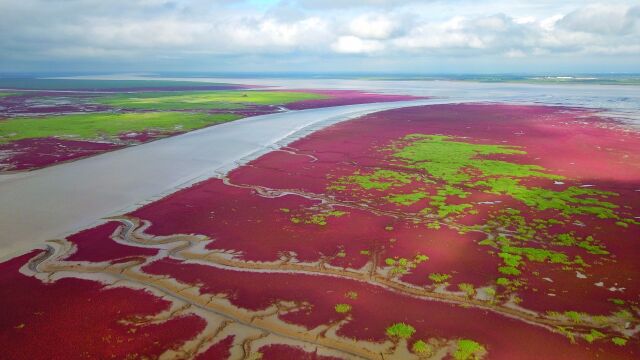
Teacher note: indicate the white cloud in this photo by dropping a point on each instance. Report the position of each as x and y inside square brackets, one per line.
[372, 26]
[32, 30]
[355, 45]
[602, 19]
[514, 53]
[268, 34]
[341, 4]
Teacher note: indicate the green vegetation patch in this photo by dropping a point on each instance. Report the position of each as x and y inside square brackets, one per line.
[439, 278]
[5, 94]
[379, 179]
[572, 201]
[509, 270]
[422, 348]
[449, 160]
[592, 248]
[230, 99]
[624, 315]
[469, 350]
[467, 288]
[316, 219]
[594, 335]
[575, 316]
[617, 301]
[100, 125]
[510, 259]
[619, 341]
[535, 254]
[458, 163]
[351, 295]
[445, 170]
[402, 266]
[342, 308]
[400, 330]
[406, 199]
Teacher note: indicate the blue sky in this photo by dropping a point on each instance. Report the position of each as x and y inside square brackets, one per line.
[386, 36]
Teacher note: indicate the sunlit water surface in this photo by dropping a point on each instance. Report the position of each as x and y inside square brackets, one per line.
[618, 101]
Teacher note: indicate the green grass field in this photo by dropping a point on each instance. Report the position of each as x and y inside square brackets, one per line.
[204, 100]
[105, 125]
[161, 119]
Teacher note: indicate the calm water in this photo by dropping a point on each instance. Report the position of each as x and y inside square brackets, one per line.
[619, 101]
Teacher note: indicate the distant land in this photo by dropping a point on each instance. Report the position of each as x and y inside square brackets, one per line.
[26, 80]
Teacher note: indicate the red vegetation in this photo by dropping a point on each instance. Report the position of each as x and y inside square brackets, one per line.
[30, 154]
[376, 308]
[218, 351]
[74, 318]
[564, 141]
[265, 212]
[96, 245]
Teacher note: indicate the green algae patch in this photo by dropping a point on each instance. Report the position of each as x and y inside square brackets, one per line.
[351, 295]
[510, 259]
[459, 163]
[406, 199]
[379, 179]
[619, 341]
[232, 99]
[439, 172]
[447, 160]
[342, 308]
[509, 270]
[439, 278]
[468, 350]
[536, 255]
[574, 316]
[101, 125]
[572, 201]
[617, 301]
[566, 239]
[456, 166]
[467, 288]
[624, 315]
[316, 219]
[400, 330]
[594, 335]
[566, 333]
[422, 348]
[445, 210]
[451, 167]
[402, 266]
[5, 94]
[592, 249]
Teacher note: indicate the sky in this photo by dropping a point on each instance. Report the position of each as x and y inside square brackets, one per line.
[320, 36]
